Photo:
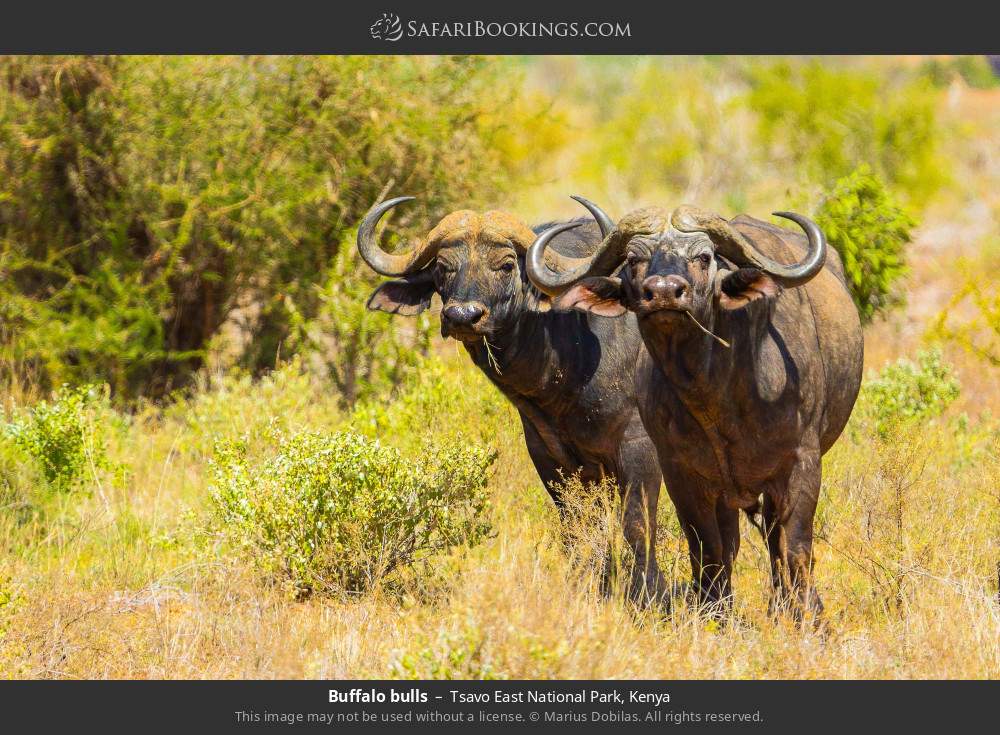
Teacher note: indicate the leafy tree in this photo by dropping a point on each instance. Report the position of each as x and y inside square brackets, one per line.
[146, 203]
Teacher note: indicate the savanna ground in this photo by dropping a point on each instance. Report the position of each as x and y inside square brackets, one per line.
[117, 572]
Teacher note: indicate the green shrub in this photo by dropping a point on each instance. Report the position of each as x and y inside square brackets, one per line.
[341, 512]
[870, 230]
[63, 436]
[908, 392]
[977, 441]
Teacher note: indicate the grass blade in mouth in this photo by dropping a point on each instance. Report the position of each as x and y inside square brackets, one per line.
[716, 337]
[490, 357]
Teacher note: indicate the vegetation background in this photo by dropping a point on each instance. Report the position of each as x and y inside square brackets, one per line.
[215, 463]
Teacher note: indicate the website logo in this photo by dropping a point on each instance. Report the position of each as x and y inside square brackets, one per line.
[387, 28]
[390, 28]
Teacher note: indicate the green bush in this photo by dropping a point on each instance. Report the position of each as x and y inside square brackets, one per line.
[870, 230]
[908, 392]
[830, 120]
[146, 203]
[63, 436]
[328, 513]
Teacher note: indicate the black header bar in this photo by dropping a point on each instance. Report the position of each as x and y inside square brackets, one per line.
[507, 27]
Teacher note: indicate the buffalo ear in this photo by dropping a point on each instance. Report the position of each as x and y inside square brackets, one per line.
[738, 288]
[601, 296]
[407, 296]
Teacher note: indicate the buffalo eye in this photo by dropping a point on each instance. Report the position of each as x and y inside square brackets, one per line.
[507, 267]
[705, 259]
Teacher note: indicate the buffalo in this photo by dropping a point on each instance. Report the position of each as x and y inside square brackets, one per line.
[570, 375]
[750, 373]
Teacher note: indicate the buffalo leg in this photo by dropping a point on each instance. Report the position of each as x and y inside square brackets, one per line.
[729, 530]
[547, 466]
[788, 518]
[699, 520]
[639, 480]
[711, 579]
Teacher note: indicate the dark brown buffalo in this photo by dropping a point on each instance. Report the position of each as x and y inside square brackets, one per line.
[752, 370]
[570, 375]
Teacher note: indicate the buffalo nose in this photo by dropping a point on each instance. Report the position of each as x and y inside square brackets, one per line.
[670, 289]
[464, 314]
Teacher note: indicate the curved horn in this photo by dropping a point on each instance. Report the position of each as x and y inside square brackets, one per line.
[553, 273]
[390, 264]
[603, 220]
[736, 247]
[539, 272]
[791, 276]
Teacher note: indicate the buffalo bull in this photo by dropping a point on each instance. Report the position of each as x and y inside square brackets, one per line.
[569, 375]
[751, 371]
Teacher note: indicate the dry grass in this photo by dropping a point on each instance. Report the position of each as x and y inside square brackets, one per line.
[116, 581]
